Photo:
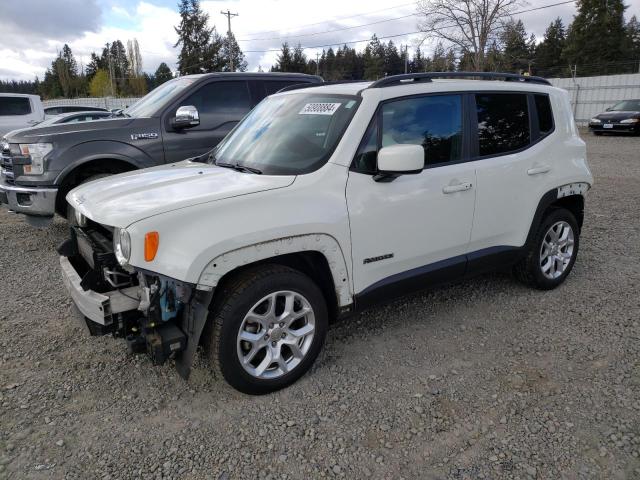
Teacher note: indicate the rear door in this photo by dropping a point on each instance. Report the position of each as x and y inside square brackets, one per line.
[221, 105]
[516, 156]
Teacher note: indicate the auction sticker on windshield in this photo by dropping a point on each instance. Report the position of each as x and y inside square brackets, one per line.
[319, 109]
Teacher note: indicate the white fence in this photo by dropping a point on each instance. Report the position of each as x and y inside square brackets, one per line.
[592, 95]
[104, 102]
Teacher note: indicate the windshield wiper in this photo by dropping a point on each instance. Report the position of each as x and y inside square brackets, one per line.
[240, 168]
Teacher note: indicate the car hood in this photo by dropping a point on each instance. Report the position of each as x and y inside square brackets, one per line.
[49, 133]
[618, 115]
[121, 200]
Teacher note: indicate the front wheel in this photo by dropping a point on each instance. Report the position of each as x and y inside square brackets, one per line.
[266, 329]
[552, 253]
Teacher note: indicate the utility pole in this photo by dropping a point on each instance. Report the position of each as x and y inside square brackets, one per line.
[317, 63]
[110, 69]
[406, 58]
[228, 14]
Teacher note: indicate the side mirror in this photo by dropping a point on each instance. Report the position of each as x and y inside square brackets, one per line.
[187, 116]
[397, 160]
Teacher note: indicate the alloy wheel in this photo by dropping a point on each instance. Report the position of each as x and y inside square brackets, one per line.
[556, 250]
[276, 334]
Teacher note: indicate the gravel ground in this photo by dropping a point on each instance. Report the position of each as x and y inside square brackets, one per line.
[485, 379]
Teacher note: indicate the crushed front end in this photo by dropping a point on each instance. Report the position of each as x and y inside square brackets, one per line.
[153, 313]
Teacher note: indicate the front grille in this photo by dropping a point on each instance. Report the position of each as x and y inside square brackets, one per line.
[6, 168]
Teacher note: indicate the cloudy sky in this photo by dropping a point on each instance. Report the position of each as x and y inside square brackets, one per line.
[34, 30]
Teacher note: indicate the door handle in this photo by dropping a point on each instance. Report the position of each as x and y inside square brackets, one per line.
[460, 187]
[538, 170]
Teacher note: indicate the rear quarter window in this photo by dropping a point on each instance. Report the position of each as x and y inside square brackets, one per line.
[10, 106]
[545, 114]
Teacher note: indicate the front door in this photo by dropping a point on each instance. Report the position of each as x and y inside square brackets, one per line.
[221, 105]
[417, 225]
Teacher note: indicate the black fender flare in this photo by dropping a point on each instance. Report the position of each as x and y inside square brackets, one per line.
[548, 199]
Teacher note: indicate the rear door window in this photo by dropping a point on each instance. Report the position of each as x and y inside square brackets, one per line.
[503, 123]
[272, 86]
[11, 106]
[220, 102]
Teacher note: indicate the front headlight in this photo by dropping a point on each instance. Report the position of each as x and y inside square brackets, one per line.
[37, 152]
[122, 246]
[595, 120]
[81, 220]
[630, 120]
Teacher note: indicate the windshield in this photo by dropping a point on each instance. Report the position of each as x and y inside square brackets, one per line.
[627, 106]
[288, 134]
[157, 98]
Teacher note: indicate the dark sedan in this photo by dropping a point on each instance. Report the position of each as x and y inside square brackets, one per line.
[623, 117]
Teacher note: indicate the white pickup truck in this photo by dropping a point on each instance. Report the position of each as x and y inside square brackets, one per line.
[19, 110]
[322, 201]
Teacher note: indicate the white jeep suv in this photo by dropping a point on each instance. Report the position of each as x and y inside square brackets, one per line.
[320, 202]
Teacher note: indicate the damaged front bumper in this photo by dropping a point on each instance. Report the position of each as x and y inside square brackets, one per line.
[153, 313]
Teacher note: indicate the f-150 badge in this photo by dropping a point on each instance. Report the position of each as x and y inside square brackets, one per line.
[144, 136]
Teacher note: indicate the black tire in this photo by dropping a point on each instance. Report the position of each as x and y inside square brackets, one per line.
[597, 133]
[529, 269]
[236, 298]
[71, 216]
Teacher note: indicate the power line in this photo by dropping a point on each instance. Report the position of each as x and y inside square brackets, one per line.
[310, 47]
[328, 31]
[337, 19]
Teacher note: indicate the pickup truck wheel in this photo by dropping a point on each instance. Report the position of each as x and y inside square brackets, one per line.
[267, 329]
[552, 253]
[71, 216]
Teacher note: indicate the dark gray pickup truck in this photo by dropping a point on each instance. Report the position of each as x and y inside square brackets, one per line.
[183, 118]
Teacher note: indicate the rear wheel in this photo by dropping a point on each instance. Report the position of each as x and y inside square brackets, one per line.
[267, 328]
[552, 253]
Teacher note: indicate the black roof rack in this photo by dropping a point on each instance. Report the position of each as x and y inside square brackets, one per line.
[428, 76]
[298, 86]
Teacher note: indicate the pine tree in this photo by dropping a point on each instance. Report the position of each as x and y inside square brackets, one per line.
[284, 60]
[120, 65]
[374, 59]
[597, 35]
[231, 50]
[95, 64]
[633, 34]
[393, 64]
[199, 45]
[66, 70]
[417, 63]
[298, 60]
[548, 55]
[516, 49]
[163, 74]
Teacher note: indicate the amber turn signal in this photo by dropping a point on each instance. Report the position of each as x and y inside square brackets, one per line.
[151, 243]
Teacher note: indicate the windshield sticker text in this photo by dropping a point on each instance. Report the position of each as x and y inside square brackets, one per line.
[319, 109]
